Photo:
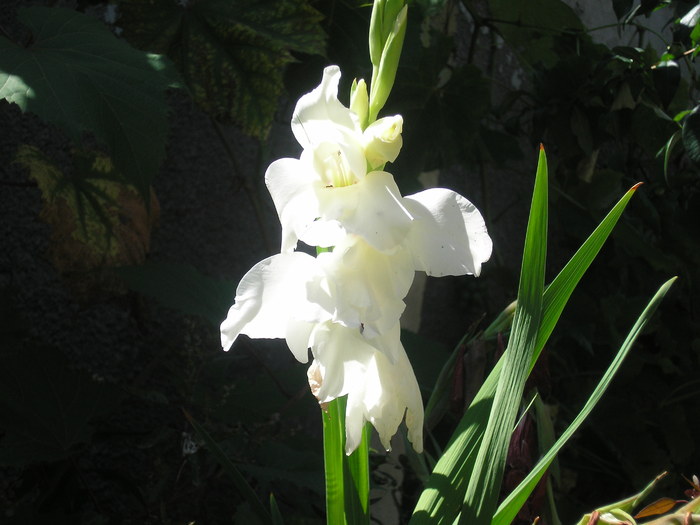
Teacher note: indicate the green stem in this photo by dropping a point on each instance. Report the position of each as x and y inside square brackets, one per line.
[334, 458]
[347, 477]
[357, 494]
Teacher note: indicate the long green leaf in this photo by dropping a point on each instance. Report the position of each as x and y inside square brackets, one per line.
[441, 500]
[508, 510]
[241, 484]
[277, 518]
[482, 492]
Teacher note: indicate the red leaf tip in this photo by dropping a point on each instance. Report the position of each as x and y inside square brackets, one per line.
[541, 147]
[634, 188]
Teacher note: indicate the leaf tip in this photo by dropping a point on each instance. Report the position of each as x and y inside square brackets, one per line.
[634, 188]
[541, 147]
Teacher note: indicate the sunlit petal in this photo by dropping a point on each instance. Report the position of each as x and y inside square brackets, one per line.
[372, 209]
[320, 113]
[292, 190]
[268, 295]
[448, 235]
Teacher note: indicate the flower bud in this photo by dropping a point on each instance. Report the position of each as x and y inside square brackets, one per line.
[384, 74]
[383, 140]
[359, 101]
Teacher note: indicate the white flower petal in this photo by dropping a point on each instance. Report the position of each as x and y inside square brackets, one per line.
[368, 286]
[292, 189]
[297, 335]
[372, 209]
[269, 295]
[319, 113]
[378, 391]
[448, 235]
[341, 354]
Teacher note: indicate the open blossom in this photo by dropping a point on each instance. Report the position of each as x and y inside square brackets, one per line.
[379, 391]
[345, 304]
[328, 192]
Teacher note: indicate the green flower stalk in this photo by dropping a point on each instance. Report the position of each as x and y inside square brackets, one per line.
[386, 35]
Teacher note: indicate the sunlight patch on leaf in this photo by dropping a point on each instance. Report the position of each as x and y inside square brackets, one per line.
[76, 74]
[231, 54]
[96, 218]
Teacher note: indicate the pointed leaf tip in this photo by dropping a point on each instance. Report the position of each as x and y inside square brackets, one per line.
[634, 188]
[541, 147]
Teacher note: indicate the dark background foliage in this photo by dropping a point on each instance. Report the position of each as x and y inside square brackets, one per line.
[123, 241]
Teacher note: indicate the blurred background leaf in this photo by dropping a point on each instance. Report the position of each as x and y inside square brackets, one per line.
[231, 54]
[76, 74]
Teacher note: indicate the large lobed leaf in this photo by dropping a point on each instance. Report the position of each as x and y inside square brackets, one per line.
[230, 53]
[96, 219]
[76, 74]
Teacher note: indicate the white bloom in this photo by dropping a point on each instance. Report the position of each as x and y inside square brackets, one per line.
[378, 390]
[328, 193]
[345, 304]
[355, 286]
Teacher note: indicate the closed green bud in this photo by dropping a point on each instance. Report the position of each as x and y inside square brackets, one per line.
[359, 101]
[376, 32]
[385, 73]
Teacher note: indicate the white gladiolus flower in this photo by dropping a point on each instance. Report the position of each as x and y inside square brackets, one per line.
[345, 304]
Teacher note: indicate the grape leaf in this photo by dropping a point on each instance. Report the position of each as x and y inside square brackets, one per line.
[231, 53]
[96, 219]
[76, 74]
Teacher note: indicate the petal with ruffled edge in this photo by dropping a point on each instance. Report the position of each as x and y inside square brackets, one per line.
[320, 113]
[378, 391]
[368, 286]
[270, 297]
[448, 235]
[372, 208]
[340, 355]
[390, 391]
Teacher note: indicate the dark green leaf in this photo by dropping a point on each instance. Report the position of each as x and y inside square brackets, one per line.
[241, 484]
[231, 54]
[622, 8]
[531, 27]
[691, 134]
[78, 75]
[666, 76]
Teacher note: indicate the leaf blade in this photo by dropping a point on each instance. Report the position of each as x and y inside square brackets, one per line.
[511, 505]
